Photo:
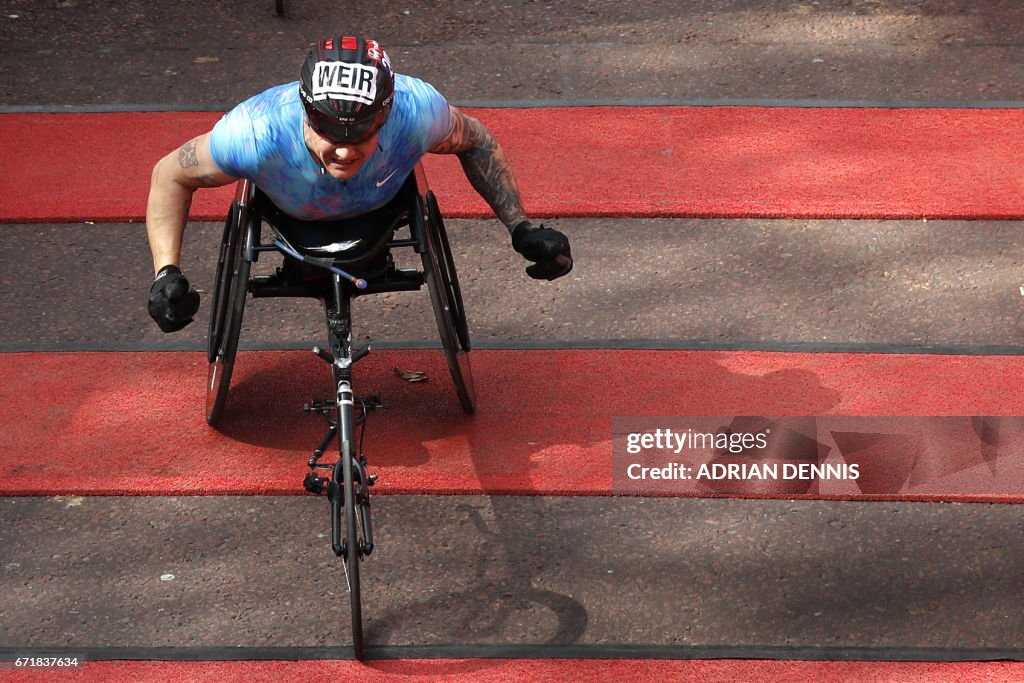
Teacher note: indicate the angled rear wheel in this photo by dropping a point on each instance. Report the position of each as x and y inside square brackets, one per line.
[230, 288]
[446, 300]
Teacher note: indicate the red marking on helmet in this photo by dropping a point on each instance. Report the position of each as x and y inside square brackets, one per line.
[349, 43]
[329, 44]
[373, 50]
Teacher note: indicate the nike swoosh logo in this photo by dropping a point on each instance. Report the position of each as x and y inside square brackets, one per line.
[381, 182]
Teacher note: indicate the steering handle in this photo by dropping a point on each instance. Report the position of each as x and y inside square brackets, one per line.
[326, 264]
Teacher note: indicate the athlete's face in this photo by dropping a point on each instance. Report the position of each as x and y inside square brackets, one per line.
[340, 160]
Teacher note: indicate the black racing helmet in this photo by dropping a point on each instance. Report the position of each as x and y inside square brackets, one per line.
[347, 87]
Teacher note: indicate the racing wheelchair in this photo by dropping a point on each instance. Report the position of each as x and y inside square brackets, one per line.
[335, 261]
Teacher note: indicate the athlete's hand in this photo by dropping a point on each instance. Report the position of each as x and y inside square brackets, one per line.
[546, 247]
[172, 303]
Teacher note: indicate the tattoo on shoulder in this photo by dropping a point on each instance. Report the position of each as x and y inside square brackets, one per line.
[464, 133]
[454, 139]
[187, 155]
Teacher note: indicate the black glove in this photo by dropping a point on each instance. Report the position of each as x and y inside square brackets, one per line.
[172, 303]
[546, 247]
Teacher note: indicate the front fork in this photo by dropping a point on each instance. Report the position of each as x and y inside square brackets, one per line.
[349, 467]
[353, 469]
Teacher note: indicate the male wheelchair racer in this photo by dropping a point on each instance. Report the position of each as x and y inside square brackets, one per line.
[347, 258]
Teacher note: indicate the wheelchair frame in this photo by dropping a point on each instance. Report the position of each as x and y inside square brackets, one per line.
[347, 487]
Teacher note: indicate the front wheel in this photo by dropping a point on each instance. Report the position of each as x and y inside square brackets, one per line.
[352, 548]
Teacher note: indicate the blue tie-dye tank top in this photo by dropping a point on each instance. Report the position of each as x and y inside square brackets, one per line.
[261, 140]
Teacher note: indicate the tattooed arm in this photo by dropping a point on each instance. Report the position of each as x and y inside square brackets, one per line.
[175, 178]
[490, 174]
[485, 165]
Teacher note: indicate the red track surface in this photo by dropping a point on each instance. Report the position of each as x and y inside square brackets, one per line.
[538, 671]
[132, 423]
[683, 161]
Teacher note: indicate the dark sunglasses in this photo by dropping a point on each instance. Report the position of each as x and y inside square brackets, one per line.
[340, 133]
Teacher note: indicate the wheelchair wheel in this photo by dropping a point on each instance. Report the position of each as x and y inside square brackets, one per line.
[449, 276]
[446, 299]
[353, 548]
[230, 287]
